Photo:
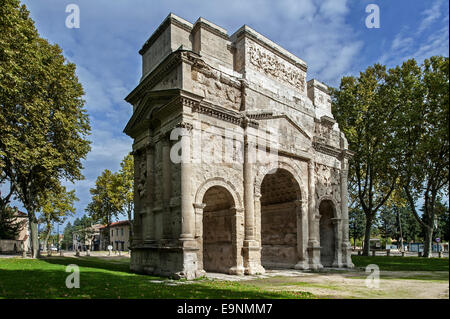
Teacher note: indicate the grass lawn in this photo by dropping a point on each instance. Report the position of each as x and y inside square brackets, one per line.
[398, 263]
[106, 278]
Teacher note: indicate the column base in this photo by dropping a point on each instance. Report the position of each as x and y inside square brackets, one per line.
[347, 255]
[252, 258]
[302, 265]
[237, 270]
[314, 255]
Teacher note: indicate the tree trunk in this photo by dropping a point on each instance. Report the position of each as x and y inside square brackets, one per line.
[366, 248]
[427, 247]
[47, 236]
[34, 240]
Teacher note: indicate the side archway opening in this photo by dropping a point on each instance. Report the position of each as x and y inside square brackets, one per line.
[217, 230]
[279, 194]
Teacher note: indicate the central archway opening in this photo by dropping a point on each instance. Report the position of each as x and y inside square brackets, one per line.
[279, 193]
[217, 230]
[327, 235]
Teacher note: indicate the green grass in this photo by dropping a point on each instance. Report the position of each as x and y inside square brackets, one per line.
[100, 278]
[397, 263]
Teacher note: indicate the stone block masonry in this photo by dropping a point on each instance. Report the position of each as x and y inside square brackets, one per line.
[261, 181]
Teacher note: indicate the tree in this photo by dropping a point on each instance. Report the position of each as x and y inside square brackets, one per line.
[362, 110]
[410, 226]
[104, 205]
[44, 124]
[83, 229]
[57, 205]
[440, 229]
[421, 96]
[356, 222]
[388, 226]
[67, 241]
[10, 225]
[125, 188]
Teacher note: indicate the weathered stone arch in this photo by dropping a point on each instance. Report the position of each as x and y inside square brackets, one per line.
[301, 211]
[336, 211]
[235, 213]
[287, 165]
[329, 232]
[218, 181]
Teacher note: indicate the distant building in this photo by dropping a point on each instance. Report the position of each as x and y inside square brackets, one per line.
[91, 240]
[119, 235]
[22, 241]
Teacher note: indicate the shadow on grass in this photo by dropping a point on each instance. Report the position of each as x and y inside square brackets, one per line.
[46, 278]
[91, 262]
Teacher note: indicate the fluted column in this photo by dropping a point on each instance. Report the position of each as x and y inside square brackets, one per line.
[314, 219]
[302, 235]
[166, 185]
[252, 249]
[187, 208]
[150, 216]
[137, 220]
[346, 246]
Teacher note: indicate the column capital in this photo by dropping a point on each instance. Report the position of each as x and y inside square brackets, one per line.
[199, 206]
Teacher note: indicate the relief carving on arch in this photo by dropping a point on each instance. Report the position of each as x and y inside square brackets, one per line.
[275, 67]
[142, 179]
[327, 182]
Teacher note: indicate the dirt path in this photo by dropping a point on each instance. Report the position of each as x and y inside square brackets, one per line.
[352, 284]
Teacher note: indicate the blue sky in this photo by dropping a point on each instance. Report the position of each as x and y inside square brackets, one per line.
[331, 36]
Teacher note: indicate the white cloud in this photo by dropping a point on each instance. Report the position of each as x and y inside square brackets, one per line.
[431, 15]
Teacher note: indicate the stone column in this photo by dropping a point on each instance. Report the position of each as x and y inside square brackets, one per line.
[166, 185]
[314, 219]
[150, 217]
[190, 248]
[187, 208]
[198, 207]
[236, 222]
[337, 262]
[137, 222]
[252, 249]
[302, 235]
[346, 246]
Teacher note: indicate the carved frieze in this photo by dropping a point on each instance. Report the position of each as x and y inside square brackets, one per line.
[327, 182]
[275, 67]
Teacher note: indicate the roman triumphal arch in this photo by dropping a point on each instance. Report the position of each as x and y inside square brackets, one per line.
[239, 163]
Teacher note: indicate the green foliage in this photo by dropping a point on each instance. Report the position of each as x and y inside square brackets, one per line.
[362, 110]
[356, 222]
[43, 120]
[10, 225]
[56, 206]
[421, 96]
[396, 121]
[125, 186]
[67, 241]
[106, 201]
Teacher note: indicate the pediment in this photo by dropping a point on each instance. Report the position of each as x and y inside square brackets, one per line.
[150, 101]
[272, 116]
